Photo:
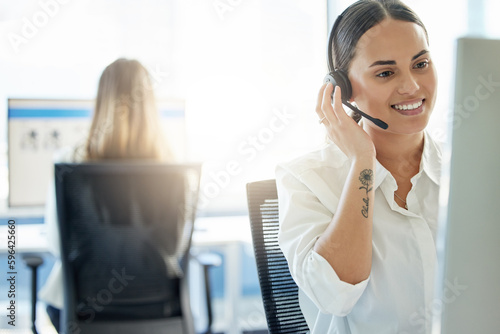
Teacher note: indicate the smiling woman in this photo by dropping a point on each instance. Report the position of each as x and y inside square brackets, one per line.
[357, 229]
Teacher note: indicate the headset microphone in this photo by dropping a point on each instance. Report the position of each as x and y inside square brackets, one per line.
[346, 91]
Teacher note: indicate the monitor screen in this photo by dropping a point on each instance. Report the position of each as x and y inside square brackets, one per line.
[469, 230]
[39, 128]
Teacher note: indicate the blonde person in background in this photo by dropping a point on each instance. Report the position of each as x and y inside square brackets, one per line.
[358, 217]
[125, 126]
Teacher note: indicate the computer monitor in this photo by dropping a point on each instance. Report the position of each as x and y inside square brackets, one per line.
[468, 295]
[38, 128]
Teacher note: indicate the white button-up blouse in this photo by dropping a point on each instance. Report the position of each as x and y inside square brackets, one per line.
[397, 297]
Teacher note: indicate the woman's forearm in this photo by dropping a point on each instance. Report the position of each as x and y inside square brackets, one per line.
[347, 242]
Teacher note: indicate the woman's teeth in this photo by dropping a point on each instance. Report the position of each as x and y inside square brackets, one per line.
[407, 106]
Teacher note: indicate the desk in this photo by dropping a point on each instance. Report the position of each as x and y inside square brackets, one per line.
[208, 231]
[30, 231]
[30, 238]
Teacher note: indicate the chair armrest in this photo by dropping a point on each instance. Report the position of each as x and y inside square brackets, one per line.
[32, 261]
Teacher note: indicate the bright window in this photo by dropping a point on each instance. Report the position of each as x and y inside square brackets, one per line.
[249, 71]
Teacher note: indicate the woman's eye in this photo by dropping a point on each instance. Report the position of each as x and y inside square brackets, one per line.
[422, 64]
[384, 74]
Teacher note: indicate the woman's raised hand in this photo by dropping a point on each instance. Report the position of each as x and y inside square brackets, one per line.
[341, 128]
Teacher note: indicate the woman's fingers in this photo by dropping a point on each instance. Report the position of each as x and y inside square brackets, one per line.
[341, 128]
[338, 108]
[328, 113]
[327, 107]
[331, 112]
[319, 102]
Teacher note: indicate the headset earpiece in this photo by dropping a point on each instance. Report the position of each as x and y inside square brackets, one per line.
[339, 78]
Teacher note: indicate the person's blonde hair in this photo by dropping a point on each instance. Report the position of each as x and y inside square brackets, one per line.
[126, 121]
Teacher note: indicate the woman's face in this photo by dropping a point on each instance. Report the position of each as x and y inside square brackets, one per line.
[393, 77]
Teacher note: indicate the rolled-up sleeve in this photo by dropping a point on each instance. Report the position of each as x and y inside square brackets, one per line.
[306, 207]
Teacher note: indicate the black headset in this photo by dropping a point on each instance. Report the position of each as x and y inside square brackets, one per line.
[339, 78]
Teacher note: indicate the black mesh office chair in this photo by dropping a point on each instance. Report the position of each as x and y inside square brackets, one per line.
[125, 232]
[279, 290]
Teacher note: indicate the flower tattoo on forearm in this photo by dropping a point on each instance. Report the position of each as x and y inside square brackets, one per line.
[366, 178]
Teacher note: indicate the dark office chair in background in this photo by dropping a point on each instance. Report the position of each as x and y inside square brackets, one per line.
[279, 290]
[125, 232]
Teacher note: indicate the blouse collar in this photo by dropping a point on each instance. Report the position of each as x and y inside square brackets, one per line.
[430, 164]
[431, 159]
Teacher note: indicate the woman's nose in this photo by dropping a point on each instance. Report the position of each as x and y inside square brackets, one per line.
[408, 84]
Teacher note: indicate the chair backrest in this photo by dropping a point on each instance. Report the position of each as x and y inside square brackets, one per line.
[279, 290]
[125, 231]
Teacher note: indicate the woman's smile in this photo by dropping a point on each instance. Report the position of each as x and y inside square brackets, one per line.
[409, 108]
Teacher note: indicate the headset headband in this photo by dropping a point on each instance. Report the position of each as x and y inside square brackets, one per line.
[331, 66]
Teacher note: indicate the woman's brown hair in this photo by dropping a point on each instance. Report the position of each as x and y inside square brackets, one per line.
[126, 121]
